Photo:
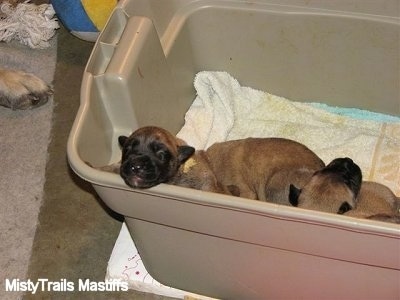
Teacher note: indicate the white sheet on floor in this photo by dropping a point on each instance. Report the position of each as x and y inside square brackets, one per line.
[224, 110]
[126, 265]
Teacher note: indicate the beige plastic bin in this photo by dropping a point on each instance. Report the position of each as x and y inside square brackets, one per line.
[141, 72]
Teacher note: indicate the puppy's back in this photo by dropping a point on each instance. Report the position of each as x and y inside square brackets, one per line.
[375, 199]
[256, 165]
[264, 150]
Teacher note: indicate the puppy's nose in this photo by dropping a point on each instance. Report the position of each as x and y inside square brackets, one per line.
[137, 166]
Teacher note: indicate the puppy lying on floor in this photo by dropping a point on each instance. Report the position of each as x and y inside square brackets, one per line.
[20, 90]
[250, 168]
[338, 188]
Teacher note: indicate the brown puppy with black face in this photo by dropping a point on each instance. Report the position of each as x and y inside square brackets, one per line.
[338, 188]
[254, 168]
[152, 155]
[262, 168]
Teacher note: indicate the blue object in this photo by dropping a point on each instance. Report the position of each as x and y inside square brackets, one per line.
[72, 14]
[357, 113]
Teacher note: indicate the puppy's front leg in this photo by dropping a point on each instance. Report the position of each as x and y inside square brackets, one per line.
[112, 168]
[20, 90]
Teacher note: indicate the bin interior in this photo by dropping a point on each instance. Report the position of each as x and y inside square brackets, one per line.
[301, 53]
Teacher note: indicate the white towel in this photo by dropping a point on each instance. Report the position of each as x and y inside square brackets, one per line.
[223, 110]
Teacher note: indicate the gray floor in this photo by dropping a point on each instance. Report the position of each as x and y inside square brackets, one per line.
[76, 231]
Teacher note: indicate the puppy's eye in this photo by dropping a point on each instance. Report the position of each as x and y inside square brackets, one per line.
[345, 207]
[134, 143]
[162, 155]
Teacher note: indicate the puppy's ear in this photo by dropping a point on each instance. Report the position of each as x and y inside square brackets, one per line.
[345, 207]
[294, 194]
[122, 139]
[184, 152]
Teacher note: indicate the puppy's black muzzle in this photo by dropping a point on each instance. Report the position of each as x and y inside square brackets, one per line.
[139, 171]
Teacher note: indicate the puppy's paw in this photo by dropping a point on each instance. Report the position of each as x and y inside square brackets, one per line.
[112, 168]
[20, 90]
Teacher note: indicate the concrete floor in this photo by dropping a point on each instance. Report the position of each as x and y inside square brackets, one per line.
[76, 231]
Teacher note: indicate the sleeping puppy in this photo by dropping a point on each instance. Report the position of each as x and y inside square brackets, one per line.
[263, 168]
[254, 168]
[338, 188]
[152, 155]
[20, 90]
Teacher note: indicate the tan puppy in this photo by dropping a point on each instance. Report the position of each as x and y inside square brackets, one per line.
[254, 168]
[20, 90]
[152, 155]
[338, 188]
[262, 168]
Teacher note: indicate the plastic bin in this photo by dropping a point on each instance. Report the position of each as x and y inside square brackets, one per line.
[141, 73]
